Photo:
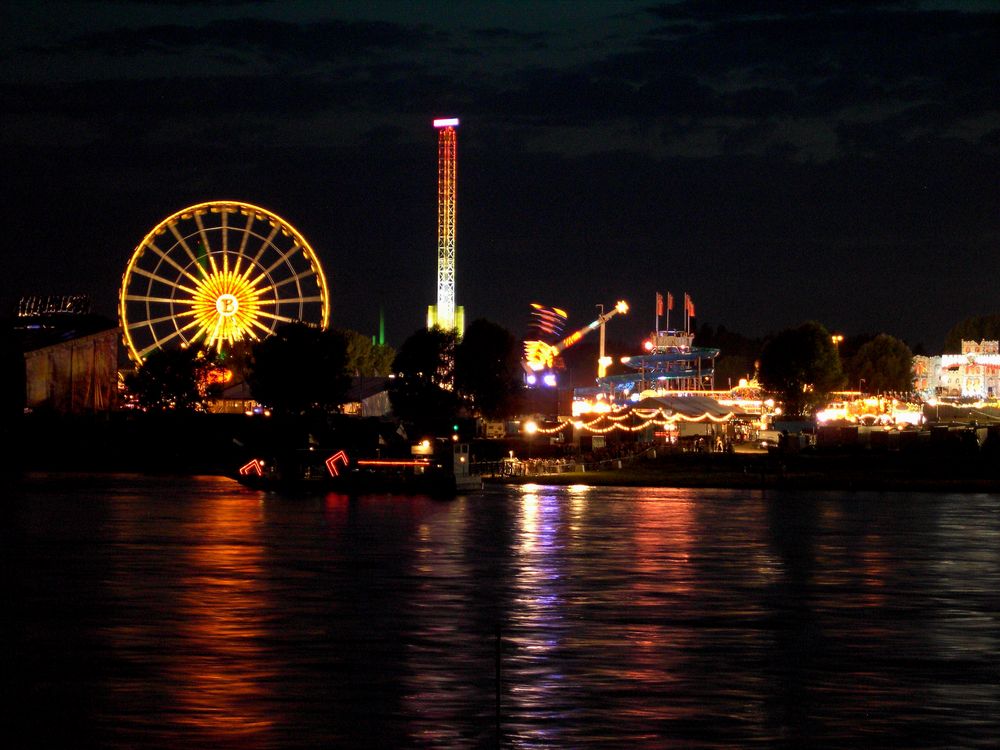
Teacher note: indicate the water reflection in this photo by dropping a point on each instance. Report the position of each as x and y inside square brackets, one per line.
[199, 614]
[219, 669]
[443, 639]
[197, 577]
[664, 579]
[538, 691]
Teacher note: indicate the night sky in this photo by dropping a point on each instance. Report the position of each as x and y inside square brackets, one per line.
[776, 161]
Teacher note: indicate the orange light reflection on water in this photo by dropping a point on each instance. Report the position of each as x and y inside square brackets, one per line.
[217, 673]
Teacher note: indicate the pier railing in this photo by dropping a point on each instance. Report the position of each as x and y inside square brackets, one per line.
[550, 466]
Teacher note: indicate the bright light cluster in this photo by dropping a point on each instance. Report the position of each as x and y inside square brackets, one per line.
[226, 308]
[215, 273]
[872, 410]
[539, 355]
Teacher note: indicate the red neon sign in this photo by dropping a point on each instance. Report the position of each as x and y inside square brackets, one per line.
[252, 467]
[331, 462]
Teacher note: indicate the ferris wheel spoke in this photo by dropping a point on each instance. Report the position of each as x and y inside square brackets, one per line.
[254, 322]
[204, 242]
[202, 332]
[201, 326]
[158, 343]
[163, 300]
[284, 257]
[241, 254]
[168, 282]
[294, 277]
[268, 242]
[166, 258]
[156, 321]
[183, 243]
[209, 340]
[225, 241]
[275, 316]
[290, 300]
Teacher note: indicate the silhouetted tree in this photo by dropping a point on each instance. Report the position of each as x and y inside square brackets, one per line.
[422, 391]
[300, 368]
[802, 366]
[885, 364]
[365, 358]
[850, 346]
[171, 379]
[238, 358]
[488, 369]
[737, 353]
[972, 329]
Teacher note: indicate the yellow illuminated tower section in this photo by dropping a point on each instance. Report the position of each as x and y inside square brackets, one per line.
[445, 314]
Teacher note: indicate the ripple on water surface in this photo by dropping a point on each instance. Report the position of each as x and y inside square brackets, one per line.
[195, 612]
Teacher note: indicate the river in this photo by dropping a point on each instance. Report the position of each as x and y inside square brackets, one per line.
[192, 612]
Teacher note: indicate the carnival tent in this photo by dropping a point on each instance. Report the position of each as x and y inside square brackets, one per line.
[686, 407]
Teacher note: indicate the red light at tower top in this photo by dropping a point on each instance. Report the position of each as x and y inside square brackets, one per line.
[446, 122]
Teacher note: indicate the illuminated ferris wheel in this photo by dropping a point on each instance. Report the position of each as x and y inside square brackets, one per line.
[215, 273]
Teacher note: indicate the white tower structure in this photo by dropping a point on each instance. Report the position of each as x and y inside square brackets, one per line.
[445, 314]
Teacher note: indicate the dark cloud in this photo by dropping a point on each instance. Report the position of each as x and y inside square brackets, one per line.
[198, 3]
[272, 39]
[502, 34]
[777, 161]
[727, 10]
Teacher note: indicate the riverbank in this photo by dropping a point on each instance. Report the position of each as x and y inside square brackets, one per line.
[836, 471]
[217, 444]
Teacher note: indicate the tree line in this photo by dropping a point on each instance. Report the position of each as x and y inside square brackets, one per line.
[436, 377]
[432, 379]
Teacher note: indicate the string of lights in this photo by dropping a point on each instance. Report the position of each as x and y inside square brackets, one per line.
[658, 417]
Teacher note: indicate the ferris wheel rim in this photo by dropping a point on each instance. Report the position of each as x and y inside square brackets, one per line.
[254, 213]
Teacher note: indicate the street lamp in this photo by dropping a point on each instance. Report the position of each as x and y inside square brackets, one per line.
[530, 428]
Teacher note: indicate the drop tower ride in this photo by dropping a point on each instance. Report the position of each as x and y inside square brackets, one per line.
[445, 314]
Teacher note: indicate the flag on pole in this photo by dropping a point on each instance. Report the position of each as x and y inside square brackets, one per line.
[691, 308]
[659, 304]
[670, 301]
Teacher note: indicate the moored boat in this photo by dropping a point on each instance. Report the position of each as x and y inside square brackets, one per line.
[437, 472]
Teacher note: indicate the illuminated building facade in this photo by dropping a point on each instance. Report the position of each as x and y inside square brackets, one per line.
[445, 314]
[77, 376]
[975, 373]
[70, 355]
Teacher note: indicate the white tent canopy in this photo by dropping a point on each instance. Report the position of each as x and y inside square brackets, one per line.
[691, 407]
